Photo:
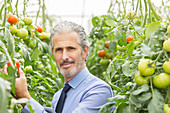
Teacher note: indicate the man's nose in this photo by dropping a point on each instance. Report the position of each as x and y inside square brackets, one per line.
[65, 55]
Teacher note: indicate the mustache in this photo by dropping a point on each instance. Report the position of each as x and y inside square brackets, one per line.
[66, 61]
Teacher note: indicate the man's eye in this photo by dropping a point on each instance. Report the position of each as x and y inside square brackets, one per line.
[58, 49]
[71, 48]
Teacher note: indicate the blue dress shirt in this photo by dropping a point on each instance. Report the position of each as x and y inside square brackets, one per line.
[87, 95]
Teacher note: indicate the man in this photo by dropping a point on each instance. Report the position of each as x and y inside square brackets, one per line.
[87, 93]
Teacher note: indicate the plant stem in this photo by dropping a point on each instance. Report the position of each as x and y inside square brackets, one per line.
[146, 8]
[24, 8]
[153, 10]
[16, 8]
[1, 11]
[158, 57]
[141, 9]
[43, 13]
[5, 12]
[38, 12]
[151, 86]
[167, 99]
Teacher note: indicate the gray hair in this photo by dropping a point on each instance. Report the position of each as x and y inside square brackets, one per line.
[65, 27]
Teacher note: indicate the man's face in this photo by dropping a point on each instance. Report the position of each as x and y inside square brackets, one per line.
[69, 56]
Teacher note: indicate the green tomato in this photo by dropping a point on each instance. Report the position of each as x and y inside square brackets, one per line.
[130, 14]
[13, 29]
[168, 29]
[122, 49]
[109, 55]
[140, 80]
[27, 21]
[21, 23]
[166, 108]
[166, 66]
[166, 45]
[162, 80]
[104, 62]
[22, 33]
[28, 69]
[144, 68]
[31, 45]
[20, 51]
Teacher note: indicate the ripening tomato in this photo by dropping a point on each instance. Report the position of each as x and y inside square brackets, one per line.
[129, 38]
[45, 36]
[101, 53]
[166, 66]
[140, 80]
[13, 29]
[107, 44]
[22, 33]
[162, 80]
[27, 21]
[12, 19]
[104, 62]
[166, 45]
[28, 69]
[109, 55]
[121, 48]
[39, 29]
[145, 67]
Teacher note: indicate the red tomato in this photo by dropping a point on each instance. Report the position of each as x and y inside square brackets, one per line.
[39, 29]
[12, 19]
[129, 39]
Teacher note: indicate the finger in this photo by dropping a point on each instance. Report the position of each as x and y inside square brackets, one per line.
[5, 69]
[21, 73]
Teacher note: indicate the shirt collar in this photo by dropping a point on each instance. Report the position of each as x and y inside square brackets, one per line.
[75, 81]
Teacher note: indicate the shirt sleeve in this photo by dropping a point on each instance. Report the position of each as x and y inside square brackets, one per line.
[37, 108]
[94, 99]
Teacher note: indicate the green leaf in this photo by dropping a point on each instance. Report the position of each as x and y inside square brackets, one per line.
[126, 68]
[117, 97]
[4, 95]
[146, 50]
[112, 46]
[134, 100]
[156, 104]
[110, 23]
[106, 108]
[120, 36]
[35, 54]
[125, 108]
[10, 41]
[141, 89]
[145, 96]
[151, 28]
[95, 21]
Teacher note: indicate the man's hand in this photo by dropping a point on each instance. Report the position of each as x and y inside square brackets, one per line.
[21, 90]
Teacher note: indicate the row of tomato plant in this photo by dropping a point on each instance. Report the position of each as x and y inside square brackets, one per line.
[132, 53]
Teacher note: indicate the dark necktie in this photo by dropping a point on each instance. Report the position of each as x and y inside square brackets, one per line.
[62, 98]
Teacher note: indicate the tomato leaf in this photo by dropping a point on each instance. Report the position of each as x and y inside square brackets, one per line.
[10, 41]
[106, 108]
[120, 36]
[126, 69]
[95, 21]
[141, 89]
[151, 28]
[5, 93]
[146, 50]
[145, 96]
[110, 23]
[156, 104]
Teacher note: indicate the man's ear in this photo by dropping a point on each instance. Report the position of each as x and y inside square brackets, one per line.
[85, 52]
